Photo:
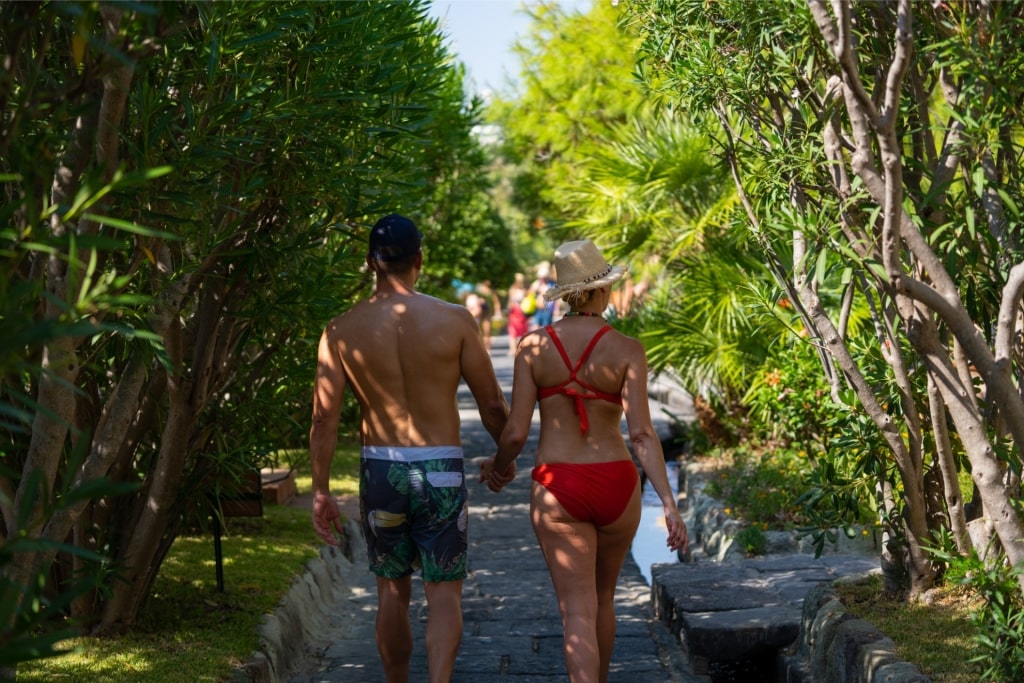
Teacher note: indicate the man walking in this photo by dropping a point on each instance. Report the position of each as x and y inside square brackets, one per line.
[403, 354]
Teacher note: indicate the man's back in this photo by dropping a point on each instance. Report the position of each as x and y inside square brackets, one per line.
[404, 355]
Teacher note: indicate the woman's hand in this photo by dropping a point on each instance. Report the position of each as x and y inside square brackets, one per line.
[678, 537]
[495, 480]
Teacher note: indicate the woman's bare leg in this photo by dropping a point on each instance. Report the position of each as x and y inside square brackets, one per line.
[613, 543]
[570, 549]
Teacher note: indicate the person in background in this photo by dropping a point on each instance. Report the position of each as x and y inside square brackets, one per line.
[585, 501]
[474, 303]
[545, 308]
[490, 307]
[412, 486]
[518, 323]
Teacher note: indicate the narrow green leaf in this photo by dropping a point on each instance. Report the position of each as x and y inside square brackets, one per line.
[129, 226]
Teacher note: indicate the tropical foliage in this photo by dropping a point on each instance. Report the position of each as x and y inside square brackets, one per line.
[852, 197]
[877, 167]
[186, 189]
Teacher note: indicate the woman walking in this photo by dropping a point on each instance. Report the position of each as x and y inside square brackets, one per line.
[585, 498]
[518, 323]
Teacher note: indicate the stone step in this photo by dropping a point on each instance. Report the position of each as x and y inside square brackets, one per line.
[728, 612]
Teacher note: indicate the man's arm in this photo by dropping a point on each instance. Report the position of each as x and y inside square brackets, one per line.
[478, 372]
[328, 394]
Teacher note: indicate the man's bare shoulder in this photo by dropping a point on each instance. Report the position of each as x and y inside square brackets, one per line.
[376, 310]
[441, 311]
[349, 317]
[428, 300]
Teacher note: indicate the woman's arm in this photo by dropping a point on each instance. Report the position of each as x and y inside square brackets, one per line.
[501, 469]
[646, 444]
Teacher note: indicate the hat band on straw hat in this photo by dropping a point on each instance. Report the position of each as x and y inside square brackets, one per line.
[600, 275]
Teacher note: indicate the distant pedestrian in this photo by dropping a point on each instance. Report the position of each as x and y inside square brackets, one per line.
[518, 323]
[491, 308]
[482, 303]
[545, 311]
[403, 354]
[586, 495]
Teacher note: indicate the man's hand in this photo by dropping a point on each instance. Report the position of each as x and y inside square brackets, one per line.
[327, 518]
[495, 480]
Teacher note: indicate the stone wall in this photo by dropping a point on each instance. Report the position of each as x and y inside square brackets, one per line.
[713, 530]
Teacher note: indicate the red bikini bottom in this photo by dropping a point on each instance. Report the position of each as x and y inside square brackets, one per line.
[591, 492]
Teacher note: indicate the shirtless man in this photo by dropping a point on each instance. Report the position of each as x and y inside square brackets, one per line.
[403, 354]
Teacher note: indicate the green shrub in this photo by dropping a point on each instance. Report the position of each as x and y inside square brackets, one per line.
[1000, 619]
[761, 486]
[752, 539]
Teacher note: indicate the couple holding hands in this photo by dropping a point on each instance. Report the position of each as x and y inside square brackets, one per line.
[403, 354]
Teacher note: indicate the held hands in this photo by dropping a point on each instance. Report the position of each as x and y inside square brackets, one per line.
[494, 480]
[327, 518]
[678, 537]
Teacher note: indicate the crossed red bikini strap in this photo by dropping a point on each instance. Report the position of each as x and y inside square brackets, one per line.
[577, 396]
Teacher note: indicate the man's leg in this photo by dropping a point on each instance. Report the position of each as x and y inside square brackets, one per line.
[394, 632]
[444, 627]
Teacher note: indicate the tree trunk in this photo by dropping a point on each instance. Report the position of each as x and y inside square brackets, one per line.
[986, 469]
[919, 567]
[951, 491]
[55, 410]
[139, 554]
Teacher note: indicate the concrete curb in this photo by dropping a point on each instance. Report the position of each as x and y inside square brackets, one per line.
[304, 614]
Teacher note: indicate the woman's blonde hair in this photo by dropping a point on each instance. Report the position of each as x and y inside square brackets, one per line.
[577, 299]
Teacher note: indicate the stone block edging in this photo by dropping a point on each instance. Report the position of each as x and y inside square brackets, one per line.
[833, 646]
[304, 613]
[713, 530]
[836, 647]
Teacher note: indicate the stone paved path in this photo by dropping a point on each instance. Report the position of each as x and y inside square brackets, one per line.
[512, 630]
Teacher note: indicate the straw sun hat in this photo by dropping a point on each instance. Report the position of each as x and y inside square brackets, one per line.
[579, 267]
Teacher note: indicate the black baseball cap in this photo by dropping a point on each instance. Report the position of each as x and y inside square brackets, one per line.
[394, 238]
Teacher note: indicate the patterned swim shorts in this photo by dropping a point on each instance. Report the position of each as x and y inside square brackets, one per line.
[414, 513]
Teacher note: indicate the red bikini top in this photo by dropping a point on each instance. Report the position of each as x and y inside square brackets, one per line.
[578, 396]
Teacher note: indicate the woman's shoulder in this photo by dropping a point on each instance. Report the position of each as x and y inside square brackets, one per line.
[623, 342]
[533, 337]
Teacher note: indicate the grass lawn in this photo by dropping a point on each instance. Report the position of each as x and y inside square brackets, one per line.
[938, 638]
[190, 632]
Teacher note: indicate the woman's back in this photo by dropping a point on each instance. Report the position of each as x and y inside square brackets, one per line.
[581, 418]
